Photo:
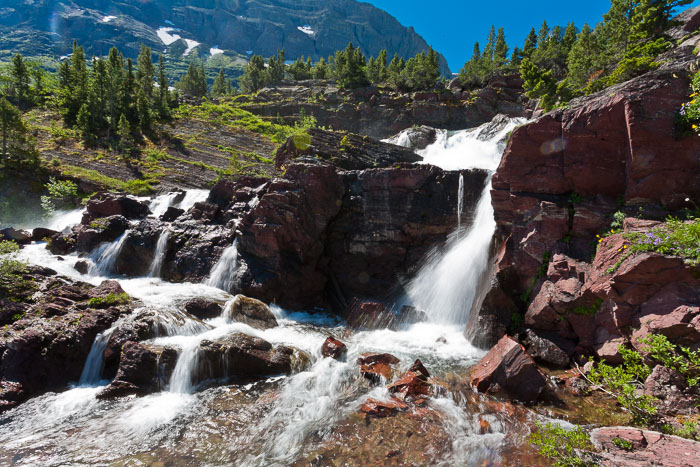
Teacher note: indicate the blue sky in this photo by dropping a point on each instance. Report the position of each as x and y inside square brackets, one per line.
[452, 26]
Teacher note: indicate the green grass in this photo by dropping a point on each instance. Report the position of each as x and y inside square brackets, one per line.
[675, 237]
[109, 300]
[135, 187]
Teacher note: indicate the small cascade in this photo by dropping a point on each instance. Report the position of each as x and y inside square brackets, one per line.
[460, 202]
[92, 371]
[161, 203]
[105, 256]
[192, 197]
[62, 220]
[223, 272]
[159, 256]
[187, 363]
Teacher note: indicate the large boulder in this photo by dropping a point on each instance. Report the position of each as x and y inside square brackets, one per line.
[114, 204]
[203, 309]
[333, 348]
[251, 312]
[645, 448]
[508, 370]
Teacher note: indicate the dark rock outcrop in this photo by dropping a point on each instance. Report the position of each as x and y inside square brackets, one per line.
[142, 369]
[509, 371]
[110, 204]
[203, 309]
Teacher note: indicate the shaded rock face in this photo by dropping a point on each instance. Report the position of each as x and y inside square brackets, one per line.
[241, 355]
[203, 309]
[648, 448]
[142, 369]
[47, 347]
[508, 370]
[109, 204]
[617, 146]
[85, 237]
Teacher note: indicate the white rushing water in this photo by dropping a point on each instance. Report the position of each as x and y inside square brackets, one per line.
[281, 419]
[159, 255]
[224, 271]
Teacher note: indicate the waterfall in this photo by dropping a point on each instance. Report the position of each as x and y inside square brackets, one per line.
[223, 272]
[460, 202]
[92, 371]
[185, 368]
[192, 197]
[159, 255]
[106, 256]
[161, 203]
[446, 285]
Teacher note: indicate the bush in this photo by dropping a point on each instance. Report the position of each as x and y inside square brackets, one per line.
[62, 194]
[567, 448]
[13, 285]
[675, 237]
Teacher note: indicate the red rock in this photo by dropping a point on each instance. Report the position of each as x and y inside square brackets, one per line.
[648, 448]
[412, 385]
[377, 366]
[111, 204]
[333, 348]
[108, 287]
[381, 409]
[507, 369]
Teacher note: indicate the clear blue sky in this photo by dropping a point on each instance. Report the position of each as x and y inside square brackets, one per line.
[452, 26]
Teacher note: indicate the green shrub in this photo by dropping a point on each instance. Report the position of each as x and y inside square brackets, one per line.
[567, 448]
[62, 194]
[13, 285]
[675, 237]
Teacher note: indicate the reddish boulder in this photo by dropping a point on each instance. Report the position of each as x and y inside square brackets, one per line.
[671, 389]
[380, 409]
[108, 287]
[376, 367]
[507, 369]
[333, 348]
[113, 204]
[413, 385]
[647, 448]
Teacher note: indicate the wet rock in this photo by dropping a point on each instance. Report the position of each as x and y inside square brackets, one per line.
[114, 204]
[251, 312]
[376, 367]
[243, 356]
[647, 448]
[12, 311]
[81, 266]
[11, 395]
[88, 236]
[548, 348]
[380, 409]
[413, 385]
[41, 234]
[142, 370]
[415, 138]
[21, 237]
[171, 214]
[108, 287]
[368, 315]
[203, 309]
[508, 370]
[333, 348]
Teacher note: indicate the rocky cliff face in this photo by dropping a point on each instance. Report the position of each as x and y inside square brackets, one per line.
[309, 27]
[561, 179]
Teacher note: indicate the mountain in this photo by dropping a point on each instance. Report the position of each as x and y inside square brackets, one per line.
[234, 29]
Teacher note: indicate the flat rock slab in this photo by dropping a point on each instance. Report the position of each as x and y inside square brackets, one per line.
[648, 448]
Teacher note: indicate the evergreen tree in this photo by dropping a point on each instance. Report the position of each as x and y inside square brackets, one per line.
[163, 90]
[124, 133]
[194, 82]
[116, 77]
[584, 58]
[382, 64]
[530, 44]
[321, 69]
[274, 72]
[219, 88]
[486, 61]
[20, 78]
[394, 70]
[16, 143]
[539, 84]
[145, 73]
[143, 108]
[253, 78]
[84, 123]
[569, 38]
[350, 68]
[500, 52]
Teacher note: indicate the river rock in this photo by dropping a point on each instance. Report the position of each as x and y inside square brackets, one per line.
[671, 390]
[252, 312]
[86, 237]
[241, 355]
[41, 234]
[647, 448]
[114, 204]
[108, 287]
[333, 348]
[142, 369]
[508, 370]
[413, 385]
[21, 237]
[376, 367]
[203, 309]
[548, 348]
[376, 408]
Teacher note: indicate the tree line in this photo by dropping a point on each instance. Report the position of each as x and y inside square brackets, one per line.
[349, 67]
[558, 63]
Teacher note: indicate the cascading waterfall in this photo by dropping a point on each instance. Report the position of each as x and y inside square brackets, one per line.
[105, 256]
[446, 285]
[159, 255]
[460, 202]
[224, 271]
[161, 203]
[279, 420]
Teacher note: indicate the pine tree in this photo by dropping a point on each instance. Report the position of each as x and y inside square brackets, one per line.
[194, 81]
[116, 76]
[16, 143]
[84, 123]
[143, 108]
[487, 56]
[253, 78]
[19, 74]
[163, 90]
[500, 51]
[321, 69]
[124, 133]
[530, 44]
[10, 121]
[219, 87]
[145, 73]
[583, 59]
[382, 63]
